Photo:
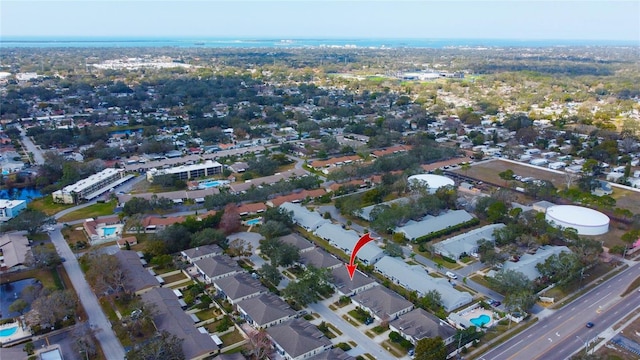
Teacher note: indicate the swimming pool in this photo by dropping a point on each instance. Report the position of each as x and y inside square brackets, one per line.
[211, 183]
[8, 331]
[108, 231]
[481, 320]
[255, 221]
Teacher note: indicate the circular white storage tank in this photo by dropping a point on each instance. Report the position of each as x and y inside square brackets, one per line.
[586, 221]
[434, 182]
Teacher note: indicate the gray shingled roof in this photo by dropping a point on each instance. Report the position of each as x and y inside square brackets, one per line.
[298, 337]
[419, 324]
[239, 285]
[137, 277]
[201, 251]
[319, 258]
[298, 241]
[415, 229]
[170, 317]
[382, 301]
[266, 308]
[220, 265]
[345, 285]
[332, 354]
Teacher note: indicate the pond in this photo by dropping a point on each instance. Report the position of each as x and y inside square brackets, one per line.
[11, 292]
[27, 194]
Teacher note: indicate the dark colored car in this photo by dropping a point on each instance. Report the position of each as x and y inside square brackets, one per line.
[589, 324]
[496, 303]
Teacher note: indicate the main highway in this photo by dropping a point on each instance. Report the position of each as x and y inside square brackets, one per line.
[563, 332]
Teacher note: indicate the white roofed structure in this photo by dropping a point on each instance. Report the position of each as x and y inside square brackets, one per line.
[433, 182]
[586, 221]
[466, 243]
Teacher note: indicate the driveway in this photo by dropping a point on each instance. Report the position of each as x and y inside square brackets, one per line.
[107, 339]
[365, 344]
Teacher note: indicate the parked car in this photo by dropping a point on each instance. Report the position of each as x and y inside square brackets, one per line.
[589, 324]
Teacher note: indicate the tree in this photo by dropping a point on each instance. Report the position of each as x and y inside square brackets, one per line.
[43, 256]
[507, 176]
[518, 289]
[104, 273]
[83, 340]
[259, 346]
[431, 349]
[393, 249]
[239, 247]
[208, 236]
[163, 346]
[28, 220]
[271, 274]
[175, 238]
[273, 229]
[18, 306]
[432, 300]
[281, 254]
[230, 221]
[49, 309]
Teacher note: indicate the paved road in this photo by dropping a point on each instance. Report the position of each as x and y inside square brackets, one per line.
[363, 341]
[31, 147]
[108, 340]
[564, 332]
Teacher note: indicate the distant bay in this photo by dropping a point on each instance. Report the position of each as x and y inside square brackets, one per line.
[131, 42]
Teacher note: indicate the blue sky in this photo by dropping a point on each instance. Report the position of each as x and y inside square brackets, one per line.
[505, 19]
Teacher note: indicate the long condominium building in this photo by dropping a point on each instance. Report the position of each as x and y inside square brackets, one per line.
[91, 187]
[186, 172]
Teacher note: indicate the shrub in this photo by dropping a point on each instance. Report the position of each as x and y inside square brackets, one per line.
[344, 346]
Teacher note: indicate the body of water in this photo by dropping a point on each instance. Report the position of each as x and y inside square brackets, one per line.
[80, 42]
[10, 292]
[27, 194]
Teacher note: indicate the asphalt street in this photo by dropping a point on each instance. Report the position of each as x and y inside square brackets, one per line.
[31, 147]
[365, 344]
[105, 335]
[563, 332]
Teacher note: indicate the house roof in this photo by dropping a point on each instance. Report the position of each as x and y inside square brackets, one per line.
[416, 278]
[527, 263]
[297, 337]
[365, 212]
[218, 265]
[319, 259]
[392, 150]
[335, 161]
[415, 229]
[339, 237]
[345, 284]
[201, 251]
[419, 324]
[303, 217]
[382, 301]
[14, 248]
[467, 242]
[239, 285]
[266, 308]
[251, 208]
[160, 221]
[332, 354]
[170, 317]
[137, 277]
[297, 196]
[298, 241]
[285, 175]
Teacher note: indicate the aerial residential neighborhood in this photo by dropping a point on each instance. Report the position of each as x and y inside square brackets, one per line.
[313, 199]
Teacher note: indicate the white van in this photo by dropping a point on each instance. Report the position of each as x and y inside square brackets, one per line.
[451, 275]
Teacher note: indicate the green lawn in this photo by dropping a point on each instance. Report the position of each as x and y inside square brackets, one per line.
[93, 211]
[47, 205]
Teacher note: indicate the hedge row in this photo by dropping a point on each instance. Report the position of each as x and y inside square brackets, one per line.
[447, 231]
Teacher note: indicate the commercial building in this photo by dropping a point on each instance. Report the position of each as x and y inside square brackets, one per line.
[91, 187]
[186, 172]
[11, 208]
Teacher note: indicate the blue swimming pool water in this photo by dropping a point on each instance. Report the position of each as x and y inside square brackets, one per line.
[255, 221]
[481, 320]
[8, 331]
[211, 183]
[108, 231]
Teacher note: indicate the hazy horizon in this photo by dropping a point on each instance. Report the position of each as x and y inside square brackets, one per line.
[516, 20]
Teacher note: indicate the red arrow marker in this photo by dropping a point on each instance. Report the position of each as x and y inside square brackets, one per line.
[351, 266]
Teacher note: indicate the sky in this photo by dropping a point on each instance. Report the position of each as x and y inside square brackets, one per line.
[423, 19]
